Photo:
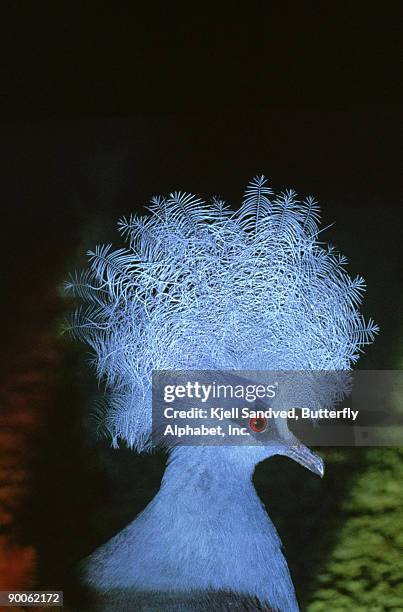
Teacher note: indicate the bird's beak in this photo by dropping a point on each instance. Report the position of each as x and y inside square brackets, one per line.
[301, 453]
[293, 448]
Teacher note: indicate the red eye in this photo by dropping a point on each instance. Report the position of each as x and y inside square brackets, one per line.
[258, 425]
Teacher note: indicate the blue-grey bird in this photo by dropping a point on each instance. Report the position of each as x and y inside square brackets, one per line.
[200, 286]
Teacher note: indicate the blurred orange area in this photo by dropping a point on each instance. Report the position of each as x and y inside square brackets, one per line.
[16, 566]
[26, 389]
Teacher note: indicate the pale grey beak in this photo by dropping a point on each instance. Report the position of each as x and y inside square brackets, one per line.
[301, 453]
[293, 448]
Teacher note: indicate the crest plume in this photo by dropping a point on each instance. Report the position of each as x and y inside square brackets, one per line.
[200, 286]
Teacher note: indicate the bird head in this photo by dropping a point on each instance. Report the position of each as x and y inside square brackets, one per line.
[273, 437]
[203, 287]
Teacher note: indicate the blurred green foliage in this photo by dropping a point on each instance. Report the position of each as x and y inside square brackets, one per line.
[364, 570]
[343, 535]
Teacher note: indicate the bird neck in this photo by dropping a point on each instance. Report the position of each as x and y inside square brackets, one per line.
[206, 471]
[213, 529]
[205, 530]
